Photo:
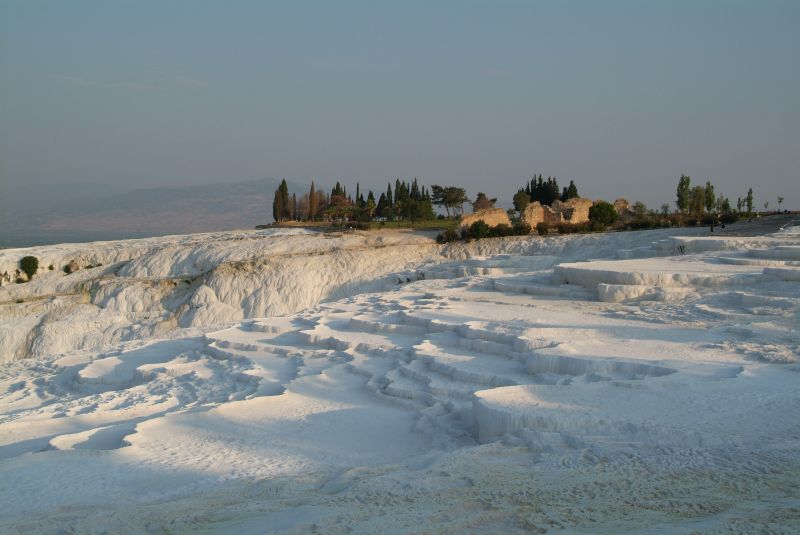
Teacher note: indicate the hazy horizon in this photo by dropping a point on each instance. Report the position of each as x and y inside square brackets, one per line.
[621, 97]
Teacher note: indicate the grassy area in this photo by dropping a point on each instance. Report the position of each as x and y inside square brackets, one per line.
[430, 224]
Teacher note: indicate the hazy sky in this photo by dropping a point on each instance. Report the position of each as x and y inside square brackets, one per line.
[622, 97]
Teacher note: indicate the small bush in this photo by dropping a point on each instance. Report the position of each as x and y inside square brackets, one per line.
[29, 264]
[729, 218]
[541, 228]
[20, 280]
[479, 229]
[50, 267]
[500, 231]
[447, 236]
[440, 216]
[67, 269]
[573, 228]
[521, 228]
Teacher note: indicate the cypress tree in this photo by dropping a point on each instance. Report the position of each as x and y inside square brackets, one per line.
[277, 206]
[285, 212]
[312, 202]
[572, 191]
[381, 208]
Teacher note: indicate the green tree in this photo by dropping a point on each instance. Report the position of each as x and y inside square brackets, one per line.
[749, 201]
[602, 215]
[697, 200]
[451, 197]
[665, 209]
[710, 198]
[521, 201]
[437, 197]
[684, 185]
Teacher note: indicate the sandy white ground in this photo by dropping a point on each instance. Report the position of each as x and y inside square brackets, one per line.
[397, 386]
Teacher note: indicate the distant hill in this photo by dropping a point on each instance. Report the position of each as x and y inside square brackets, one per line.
[183, 209]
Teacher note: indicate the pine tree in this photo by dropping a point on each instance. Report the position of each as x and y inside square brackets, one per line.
[313, 203]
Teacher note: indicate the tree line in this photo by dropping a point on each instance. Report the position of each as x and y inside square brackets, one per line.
[411, 202]
[407, 201]
[700, 199]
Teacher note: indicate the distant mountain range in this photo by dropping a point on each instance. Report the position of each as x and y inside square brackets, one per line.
[91, 207]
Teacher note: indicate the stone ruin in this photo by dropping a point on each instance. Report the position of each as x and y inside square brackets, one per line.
[572, 211]
[621, 206]
[490, 216]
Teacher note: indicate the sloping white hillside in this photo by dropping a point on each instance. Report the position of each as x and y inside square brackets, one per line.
[138, 289]
[390, 385]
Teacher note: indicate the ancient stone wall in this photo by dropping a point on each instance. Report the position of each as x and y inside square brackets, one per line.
[579, 210]
[490, 216]
[572, 211]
